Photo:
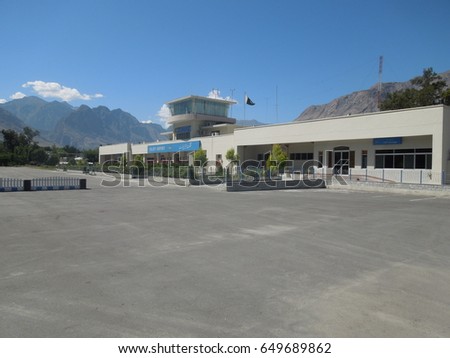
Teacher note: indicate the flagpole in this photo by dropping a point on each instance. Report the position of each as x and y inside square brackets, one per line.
[245, 102]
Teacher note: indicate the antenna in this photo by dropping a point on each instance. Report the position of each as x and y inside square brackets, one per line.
[276, 102]
[231, 107]
[380, 76]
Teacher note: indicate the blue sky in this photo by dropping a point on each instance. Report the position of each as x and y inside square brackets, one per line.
[138, 54]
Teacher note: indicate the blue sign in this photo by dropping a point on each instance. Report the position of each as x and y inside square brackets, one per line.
[174, 147]
[383, 141]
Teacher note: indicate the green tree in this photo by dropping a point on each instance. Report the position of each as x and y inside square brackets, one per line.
[446, 97]
[38, 156]
[231, 155]
[10, 140]
[429, 89]
[91, 155]
[53, 159]
[70, 149]
[28, 136]
[200, 156]
[277, 158]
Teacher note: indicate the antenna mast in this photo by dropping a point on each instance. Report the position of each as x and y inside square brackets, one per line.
[380, 77]
[231, 107]
[276, 102]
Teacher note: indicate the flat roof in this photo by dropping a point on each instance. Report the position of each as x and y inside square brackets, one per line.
[341, 117]
[217, 100]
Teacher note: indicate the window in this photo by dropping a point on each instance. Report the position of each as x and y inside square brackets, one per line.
[364, 159]
[183, 136]
[420, 158]
[352, 159]
[301, 156]
[320, 159]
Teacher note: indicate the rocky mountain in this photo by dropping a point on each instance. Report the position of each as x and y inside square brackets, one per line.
[82, 127]
[10, 121]
[89, 127]
[248, 123]
[365, 101]
[37, 113]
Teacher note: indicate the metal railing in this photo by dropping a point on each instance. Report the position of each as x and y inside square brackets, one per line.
[388, 176]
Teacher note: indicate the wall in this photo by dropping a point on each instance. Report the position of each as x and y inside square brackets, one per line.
[417, 122]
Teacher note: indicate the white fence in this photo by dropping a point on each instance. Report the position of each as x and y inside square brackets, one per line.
[394, 176]
[402, 176]
[11, 184]
[37, 184]
[55, 183]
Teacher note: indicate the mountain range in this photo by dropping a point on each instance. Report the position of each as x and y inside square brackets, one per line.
[83, 127]
[365, 101]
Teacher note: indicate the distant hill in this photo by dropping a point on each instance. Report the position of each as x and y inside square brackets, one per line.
[89, 127]
[10, 121]
[37, 113]
[248, 123]
[365, 101]
[82, 127]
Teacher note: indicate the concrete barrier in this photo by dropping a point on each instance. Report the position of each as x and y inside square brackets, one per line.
[275, 185]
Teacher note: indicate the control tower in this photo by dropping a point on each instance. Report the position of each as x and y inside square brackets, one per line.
[196, 116]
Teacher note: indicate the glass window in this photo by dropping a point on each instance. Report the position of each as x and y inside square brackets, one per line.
[389, 161]
[420, 161]
[423, 150]
[364, 159]
[292, 156]
[398, 161]
[409, 161]
[379, 161]
[352, 159]
[429, 161]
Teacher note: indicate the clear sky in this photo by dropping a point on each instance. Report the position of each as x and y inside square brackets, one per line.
[138, 54]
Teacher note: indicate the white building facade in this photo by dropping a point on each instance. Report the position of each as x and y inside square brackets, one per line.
[407, 146]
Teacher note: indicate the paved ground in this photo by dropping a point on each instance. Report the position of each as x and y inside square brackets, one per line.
[200, 262]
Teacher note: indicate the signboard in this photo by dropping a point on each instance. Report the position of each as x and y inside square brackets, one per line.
[174, 147]
[384, 141]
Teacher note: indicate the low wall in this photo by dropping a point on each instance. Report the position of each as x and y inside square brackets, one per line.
[39, 184]
[275, 185]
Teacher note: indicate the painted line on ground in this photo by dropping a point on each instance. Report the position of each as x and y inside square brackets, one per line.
[422, 199]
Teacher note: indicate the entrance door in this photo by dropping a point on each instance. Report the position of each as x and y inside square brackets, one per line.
[341, 161]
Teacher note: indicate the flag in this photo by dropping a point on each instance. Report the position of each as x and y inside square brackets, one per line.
[249, 101]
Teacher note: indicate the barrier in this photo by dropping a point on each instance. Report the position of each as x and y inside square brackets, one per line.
[40, 184]
[11, 184]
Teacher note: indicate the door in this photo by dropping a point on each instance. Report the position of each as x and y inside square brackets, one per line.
[341, 162]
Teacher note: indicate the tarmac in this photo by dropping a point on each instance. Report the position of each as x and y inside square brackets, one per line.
[179, 261]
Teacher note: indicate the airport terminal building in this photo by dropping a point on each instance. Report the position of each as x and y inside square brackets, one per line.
[400, 146]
